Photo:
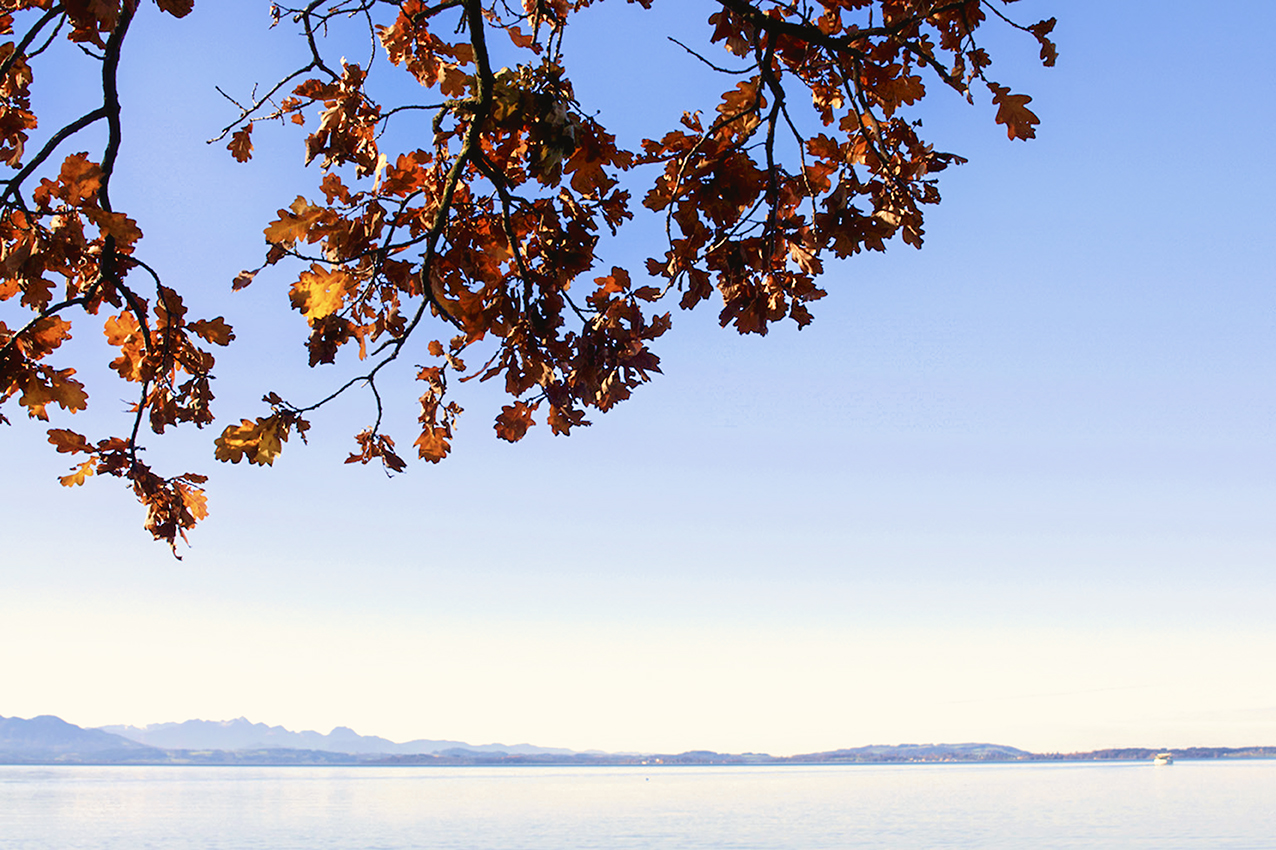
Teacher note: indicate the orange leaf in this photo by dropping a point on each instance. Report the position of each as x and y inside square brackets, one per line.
[520, 40]
[60, 389]
[125, 332]
[80, 178]
[294, 222]
[47, 334]
[194, 500]
[433, 444]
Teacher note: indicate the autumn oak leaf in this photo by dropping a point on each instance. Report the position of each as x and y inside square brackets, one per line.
[118, 225]
[68, 442]
[320, 292]
[194, 500]
[260, 441]
[79, 474]
[1013, 111]
[80, 178]
[514, 420]
[294, 223]
[1041, 31]
[58, 387]
[241, 144]
[433, 444]
[47, 334]
[215, 331]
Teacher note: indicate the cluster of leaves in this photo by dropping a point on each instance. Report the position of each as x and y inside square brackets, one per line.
[63, 246]
[486, 241]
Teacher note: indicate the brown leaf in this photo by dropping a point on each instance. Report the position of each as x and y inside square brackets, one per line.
[68, 442]
[1012, 110]
[176, 8]
[241, 143]
[123, 228]
[514, 420]
[1041, 30]
[215, 331]
[806, 259]
[373, 445]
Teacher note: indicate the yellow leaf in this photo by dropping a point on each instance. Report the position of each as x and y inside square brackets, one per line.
[320, 292]
[79, 474]
[260, 442]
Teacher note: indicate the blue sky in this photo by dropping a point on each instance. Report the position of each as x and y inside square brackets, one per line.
[1015, 487]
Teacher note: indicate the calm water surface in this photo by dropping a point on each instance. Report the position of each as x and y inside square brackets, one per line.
[1186, 805]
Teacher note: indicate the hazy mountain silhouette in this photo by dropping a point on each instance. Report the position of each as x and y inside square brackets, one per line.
[50, 740]
[920, 752]
[47, 738]
[242, 734]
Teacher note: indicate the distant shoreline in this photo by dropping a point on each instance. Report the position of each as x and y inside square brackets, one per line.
[50, 741]
[303, 758]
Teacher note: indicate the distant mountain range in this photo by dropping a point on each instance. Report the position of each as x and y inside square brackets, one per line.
[48, 738]
[51, 740]
[242, 734]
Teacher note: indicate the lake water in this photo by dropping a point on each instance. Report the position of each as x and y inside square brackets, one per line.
[1042, 805]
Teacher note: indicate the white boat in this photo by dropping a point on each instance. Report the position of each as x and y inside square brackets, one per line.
[1163, 758]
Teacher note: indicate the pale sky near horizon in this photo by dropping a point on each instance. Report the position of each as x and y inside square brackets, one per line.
[1016, 487]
